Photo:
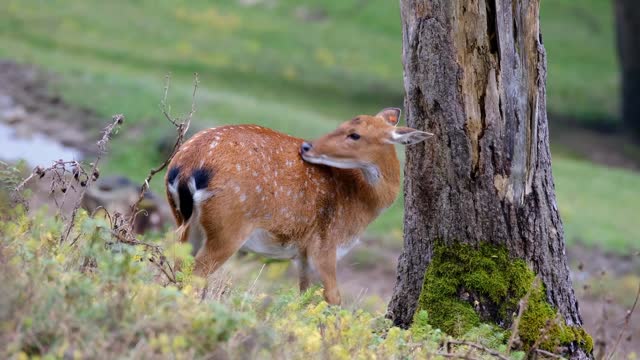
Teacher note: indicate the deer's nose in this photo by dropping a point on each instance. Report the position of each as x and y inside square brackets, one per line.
[306, 146]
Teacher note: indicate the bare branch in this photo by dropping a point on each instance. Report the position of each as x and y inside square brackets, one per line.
[524, 303]
[543, 335]
[182, 126]
[491, 352]
[549, 354]
[116, 121]
[627, 320]
[164, 105]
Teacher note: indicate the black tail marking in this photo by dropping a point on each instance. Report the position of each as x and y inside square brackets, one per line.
[173, 174]
[201, 177]
[186, 200]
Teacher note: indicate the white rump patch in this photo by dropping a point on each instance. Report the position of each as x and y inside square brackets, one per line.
[199, 196]
[173, 190]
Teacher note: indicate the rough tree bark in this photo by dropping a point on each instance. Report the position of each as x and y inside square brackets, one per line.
[627, 30]
[474, 75]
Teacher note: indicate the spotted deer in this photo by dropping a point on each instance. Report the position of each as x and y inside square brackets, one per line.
[248, 187]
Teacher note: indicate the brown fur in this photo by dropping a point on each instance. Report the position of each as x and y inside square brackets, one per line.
[260, 181]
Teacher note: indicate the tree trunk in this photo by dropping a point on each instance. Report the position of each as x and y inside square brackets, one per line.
[627, 29]
[474, 75]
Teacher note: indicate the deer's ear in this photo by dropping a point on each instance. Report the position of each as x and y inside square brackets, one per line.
[407, 136]
[390, 115]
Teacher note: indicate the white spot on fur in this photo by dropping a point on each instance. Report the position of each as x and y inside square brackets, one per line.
[173, 190]
[258, 189]
[199, 196]
[213, 144]
[238, 167]
[243, 197]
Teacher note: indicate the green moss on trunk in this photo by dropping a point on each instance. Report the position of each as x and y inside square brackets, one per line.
[465, 286]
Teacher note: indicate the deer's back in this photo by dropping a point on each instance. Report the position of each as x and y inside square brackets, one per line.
[256, 176]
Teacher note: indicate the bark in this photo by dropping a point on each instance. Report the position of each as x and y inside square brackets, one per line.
[474, 75]
[627, 29]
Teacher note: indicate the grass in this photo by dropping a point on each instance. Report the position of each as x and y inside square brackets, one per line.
[598, 205]
[351, 60]
[264, 64]
[583, 76]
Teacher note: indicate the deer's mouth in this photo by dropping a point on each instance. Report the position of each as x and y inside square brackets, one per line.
[370, 171]
[331, 161]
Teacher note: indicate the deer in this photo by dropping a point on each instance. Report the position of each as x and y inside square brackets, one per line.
[252, 188]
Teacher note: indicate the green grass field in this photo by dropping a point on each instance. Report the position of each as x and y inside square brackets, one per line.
[263, 64]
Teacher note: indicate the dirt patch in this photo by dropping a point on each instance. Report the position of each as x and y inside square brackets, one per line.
[30, 106]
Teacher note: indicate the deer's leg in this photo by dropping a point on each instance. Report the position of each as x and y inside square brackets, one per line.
[220, 244]
[325, 263]
[303, 268]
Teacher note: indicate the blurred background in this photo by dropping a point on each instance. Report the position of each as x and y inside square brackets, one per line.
[302, 67]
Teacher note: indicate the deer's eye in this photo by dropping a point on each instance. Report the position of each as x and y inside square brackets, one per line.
[353, 136]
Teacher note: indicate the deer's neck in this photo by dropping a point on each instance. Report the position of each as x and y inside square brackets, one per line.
[375, 187]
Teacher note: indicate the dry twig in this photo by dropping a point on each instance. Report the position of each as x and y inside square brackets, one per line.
[627, 320]
[116, 121]
[491, 352]
[543, 336]
[549, 354]
[182, 126]
[524, 303]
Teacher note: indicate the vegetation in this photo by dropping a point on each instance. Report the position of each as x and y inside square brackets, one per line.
[98, 298]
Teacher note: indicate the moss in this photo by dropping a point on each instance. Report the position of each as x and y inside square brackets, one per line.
[466, 286]
[541, 315]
